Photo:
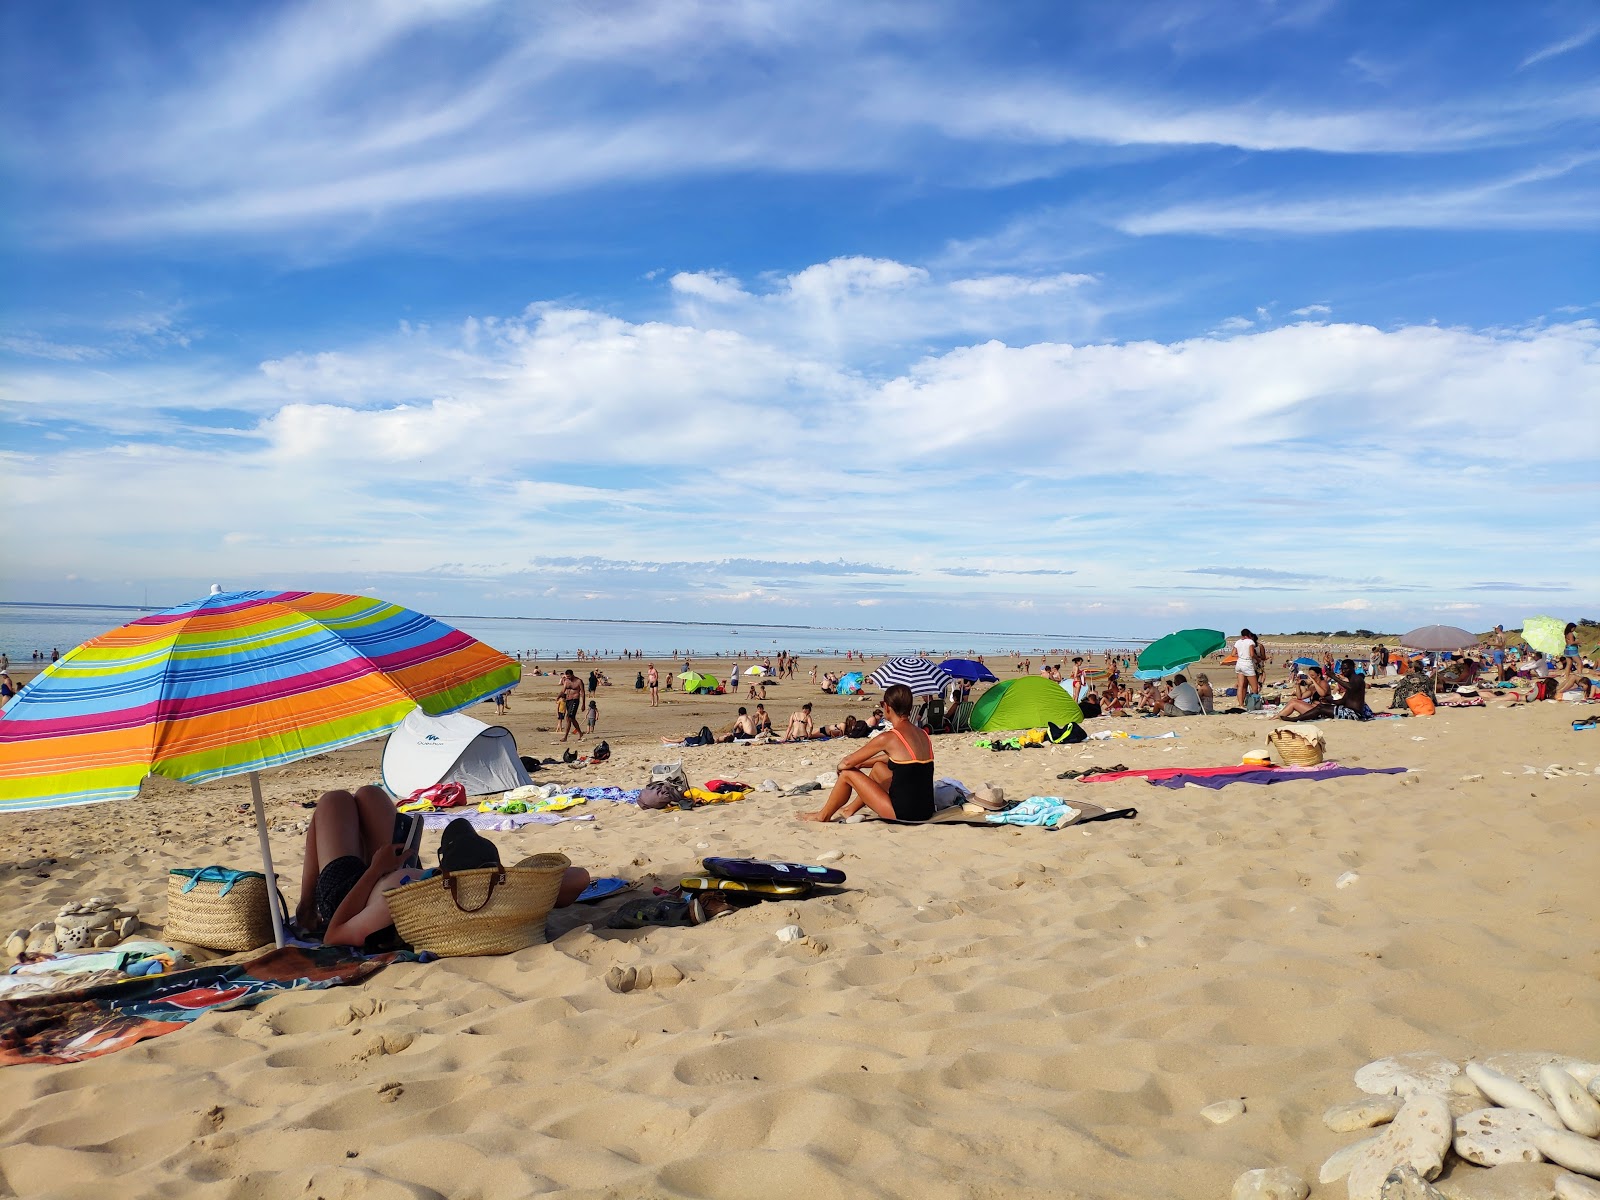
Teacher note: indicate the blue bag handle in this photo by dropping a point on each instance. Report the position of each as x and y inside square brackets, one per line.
[223, 875]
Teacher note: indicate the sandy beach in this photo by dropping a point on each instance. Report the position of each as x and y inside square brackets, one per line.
[981, 1012]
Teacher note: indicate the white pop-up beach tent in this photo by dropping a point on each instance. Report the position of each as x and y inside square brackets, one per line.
[457, 748]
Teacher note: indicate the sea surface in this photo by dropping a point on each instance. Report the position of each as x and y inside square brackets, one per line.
[26, 628]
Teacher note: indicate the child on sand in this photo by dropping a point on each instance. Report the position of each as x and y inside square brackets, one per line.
[593, 714]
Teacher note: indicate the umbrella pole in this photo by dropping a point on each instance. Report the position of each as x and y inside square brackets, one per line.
[266, 859]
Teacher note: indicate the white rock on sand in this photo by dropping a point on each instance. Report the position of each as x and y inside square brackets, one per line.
[1340, 1161]
[1419, 1138]
[1570, 1150]
[1578, 1110]
[1406, 1074]
[1508, 1093]
[1404, 1183]
[1270, 1183]
[1576, 1187]
[1491, 1136]
[1223, 1111]
[1362, 1114]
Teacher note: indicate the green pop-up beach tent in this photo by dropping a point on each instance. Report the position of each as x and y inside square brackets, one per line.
[694, 681]
[1028, 703]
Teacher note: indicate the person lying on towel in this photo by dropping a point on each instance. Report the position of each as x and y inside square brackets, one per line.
[358, 848]
[892, 774]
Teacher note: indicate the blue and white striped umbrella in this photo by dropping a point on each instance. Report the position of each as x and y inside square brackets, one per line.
[924, 678]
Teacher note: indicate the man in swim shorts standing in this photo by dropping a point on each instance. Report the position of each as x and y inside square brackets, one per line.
[571, 701]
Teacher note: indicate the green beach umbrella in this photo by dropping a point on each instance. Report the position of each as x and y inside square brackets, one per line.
[1178, 650]
[1029, 703]
[1545, 634]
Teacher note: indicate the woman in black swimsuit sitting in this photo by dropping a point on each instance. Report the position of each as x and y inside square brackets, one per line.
[898, 785]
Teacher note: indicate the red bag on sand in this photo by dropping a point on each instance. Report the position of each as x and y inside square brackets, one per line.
[443, 795]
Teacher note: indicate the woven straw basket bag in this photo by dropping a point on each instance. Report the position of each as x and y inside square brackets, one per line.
[1297, 747]
[487, 910]
[218, 908]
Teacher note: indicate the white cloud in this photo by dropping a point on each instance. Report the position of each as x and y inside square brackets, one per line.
[1517, 201]
[1008, 286]
[1312, 310]
[565, 431]
[326, 120]
[852, 306]
[709, 285]
[1565, 45]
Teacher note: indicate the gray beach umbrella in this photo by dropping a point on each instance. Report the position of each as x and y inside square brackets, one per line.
[1439, 637]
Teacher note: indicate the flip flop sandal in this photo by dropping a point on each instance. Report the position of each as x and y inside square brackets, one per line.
[601, 888]
[1588, 724]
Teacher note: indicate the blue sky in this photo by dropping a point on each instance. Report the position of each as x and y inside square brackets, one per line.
[1083, 317]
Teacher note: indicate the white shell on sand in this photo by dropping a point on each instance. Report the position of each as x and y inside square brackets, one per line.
[1570, 1150]
[1508, 1093]
[1405, 1184]
[1270, 1183]
[1579, 1111]
[1340, 1161]
[790, 933]
[1405, 1074]
[1223, 1111]
[1362, 1114]
[1419, 1138]
[1576, 1187]
[1491, 1136]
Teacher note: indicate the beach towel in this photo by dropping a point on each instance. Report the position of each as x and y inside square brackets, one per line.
[971, 815]
[1216, 777]
[71, 1026]
[1275, 775]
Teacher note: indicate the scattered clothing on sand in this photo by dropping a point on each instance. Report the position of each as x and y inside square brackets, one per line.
[86, 1023]
[1048, 812]
[1083, 772]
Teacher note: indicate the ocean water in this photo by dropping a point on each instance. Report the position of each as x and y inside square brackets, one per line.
[25, 628]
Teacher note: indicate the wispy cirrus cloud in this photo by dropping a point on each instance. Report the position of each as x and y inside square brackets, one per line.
[1566, 45]
[1522, 200]
[343, 125]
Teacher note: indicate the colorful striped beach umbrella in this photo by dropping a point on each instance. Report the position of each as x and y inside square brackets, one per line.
[234, 683]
